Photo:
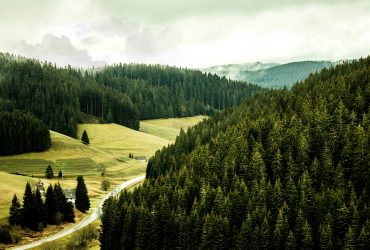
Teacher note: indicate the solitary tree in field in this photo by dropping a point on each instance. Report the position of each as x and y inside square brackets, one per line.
[60, 174]
[82, 202]
[85, 138]
[105, 185]
[49, 173]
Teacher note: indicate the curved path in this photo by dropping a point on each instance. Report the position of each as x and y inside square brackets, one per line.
[95, 214]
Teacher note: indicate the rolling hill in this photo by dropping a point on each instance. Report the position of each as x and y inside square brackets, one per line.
[287, 169]
[271, 75]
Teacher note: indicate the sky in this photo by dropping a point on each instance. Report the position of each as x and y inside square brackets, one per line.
[186, 33]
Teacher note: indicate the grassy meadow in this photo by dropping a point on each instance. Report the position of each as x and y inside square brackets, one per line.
[169, 128]
[109, 146]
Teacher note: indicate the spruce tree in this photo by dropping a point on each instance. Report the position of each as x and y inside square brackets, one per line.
[61, 203]
[85, 138]
[60, 174]
[49, 173]
[15, 212]
[40, 212]
[29, 219]
[64, 209]
[51, 205]
[82, 202]
[69, 213]
[290, 242]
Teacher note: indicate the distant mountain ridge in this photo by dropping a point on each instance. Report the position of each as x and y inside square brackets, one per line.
[270, 75]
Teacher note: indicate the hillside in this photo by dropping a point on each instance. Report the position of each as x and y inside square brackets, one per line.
[122, 94]
[119, 140]
[272, 75]
[73, 158]
[288, 169]
[169, 128]
[232, 71]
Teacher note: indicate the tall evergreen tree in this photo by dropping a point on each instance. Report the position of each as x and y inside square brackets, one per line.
[51, 205]
[40, 211]
[15, 212]
[29, 218]
[82, 202]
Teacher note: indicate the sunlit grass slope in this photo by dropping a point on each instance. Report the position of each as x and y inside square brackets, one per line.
[169, 128]
[121, 140]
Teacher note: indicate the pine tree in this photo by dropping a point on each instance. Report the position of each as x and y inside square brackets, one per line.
[85, 138]
[51, 205]
[60, 174]
[281, 229]
[307, 241]
[325, 241]
[49, 173]
[349, 239]
[82, 202]
[40, 212]
[29, 219]
[290, 242]
[15, 212]
[69, 213]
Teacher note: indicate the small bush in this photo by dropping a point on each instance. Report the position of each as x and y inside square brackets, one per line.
[105, 185]
[81, 238]
[5, 236]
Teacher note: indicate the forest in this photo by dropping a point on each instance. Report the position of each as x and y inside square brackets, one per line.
[122, 94]
[287, 169]
[20, 132]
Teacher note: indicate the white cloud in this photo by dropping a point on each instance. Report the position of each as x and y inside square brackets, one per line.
[56, 49]
[186, 33]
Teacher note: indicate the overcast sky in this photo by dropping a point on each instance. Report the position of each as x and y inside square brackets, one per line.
[192, 33]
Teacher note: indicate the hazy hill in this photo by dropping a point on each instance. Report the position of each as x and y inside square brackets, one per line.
[271, 75]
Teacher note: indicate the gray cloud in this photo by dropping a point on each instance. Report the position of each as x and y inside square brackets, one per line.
[159, 11]
[56, 49]
[147, 42]
[185, 33]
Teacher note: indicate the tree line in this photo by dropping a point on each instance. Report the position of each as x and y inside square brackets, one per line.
[287, 169]
[35, 214]
[121, 93]
[21, 131]
[164, 91]
[37, 211]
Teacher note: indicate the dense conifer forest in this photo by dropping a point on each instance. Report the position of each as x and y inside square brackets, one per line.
[22, 132]
[287, 169]
[122, 93]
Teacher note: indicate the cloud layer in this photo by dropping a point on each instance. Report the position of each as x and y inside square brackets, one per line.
[185, 33]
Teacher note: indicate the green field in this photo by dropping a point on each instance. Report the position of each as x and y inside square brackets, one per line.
[119, 140]
[110, 145]
[169, 128]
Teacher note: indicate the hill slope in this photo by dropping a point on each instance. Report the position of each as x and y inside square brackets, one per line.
[286, 169]
[272, 75]
[120, 140]
[122, 93]
[169, 128]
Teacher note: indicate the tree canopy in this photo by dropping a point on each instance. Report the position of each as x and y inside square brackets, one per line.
[286, 169]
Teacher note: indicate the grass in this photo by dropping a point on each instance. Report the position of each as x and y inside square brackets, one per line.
[71, 157]
[11, 184]
[110, 145]
[120, 140]
[169, 128]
